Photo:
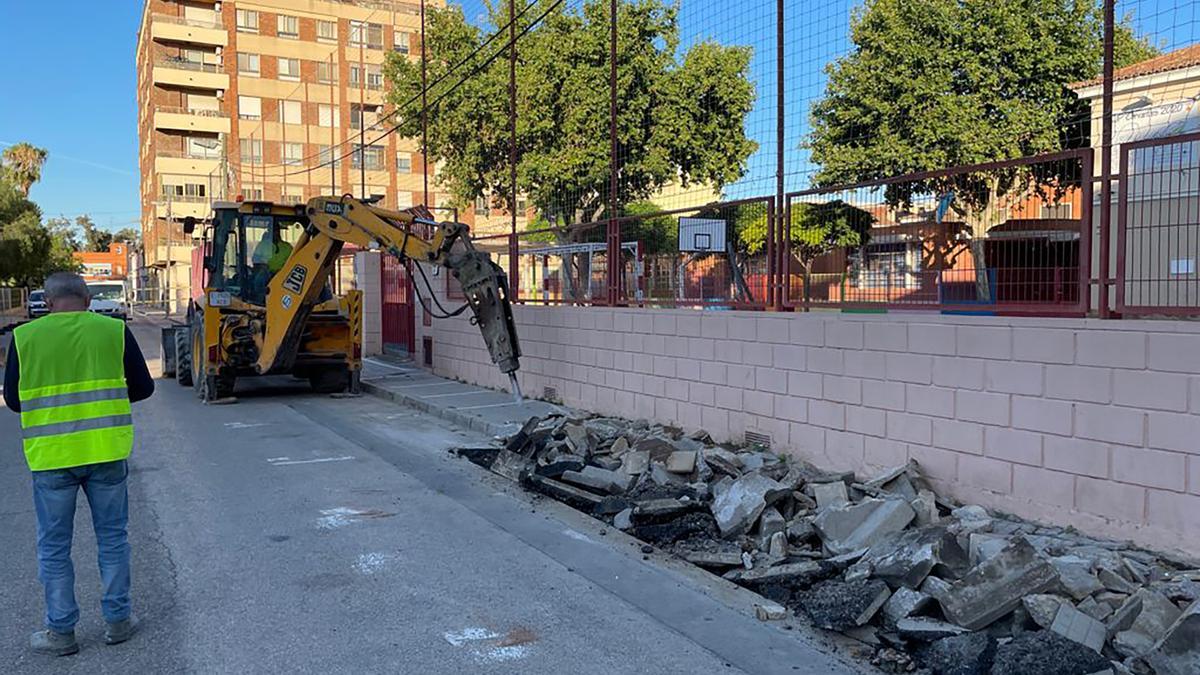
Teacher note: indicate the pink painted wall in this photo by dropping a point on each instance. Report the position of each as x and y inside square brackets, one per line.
[1082, 422]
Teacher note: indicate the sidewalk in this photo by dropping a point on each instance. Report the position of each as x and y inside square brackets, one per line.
[484, 410]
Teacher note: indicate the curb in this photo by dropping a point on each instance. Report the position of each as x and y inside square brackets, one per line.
[449, 414]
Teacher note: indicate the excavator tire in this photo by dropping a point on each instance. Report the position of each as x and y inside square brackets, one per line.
[334, 380]
[183, 357]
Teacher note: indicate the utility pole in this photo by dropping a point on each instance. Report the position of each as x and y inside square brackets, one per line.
[362, 105]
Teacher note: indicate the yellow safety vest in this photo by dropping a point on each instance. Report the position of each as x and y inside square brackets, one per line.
[74, 400]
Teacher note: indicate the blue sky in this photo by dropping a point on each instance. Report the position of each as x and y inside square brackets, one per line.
[74, 90]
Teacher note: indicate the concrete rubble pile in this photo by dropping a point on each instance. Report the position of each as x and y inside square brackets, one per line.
[930, 585]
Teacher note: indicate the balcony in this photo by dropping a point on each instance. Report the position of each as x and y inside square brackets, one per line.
[183, 119]
[178, 29]
[163, 255]
[182, 207]
[182, 73]
[176, 162]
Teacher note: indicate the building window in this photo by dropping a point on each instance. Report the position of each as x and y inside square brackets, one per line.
[247, 21]
[361, 116]
[292, 194]
[403, 162]
[374, 77]
[188, 192]
[325, 156]
[289, 69]
[1056, 211]
[289, 112]
[249, 107]
[326, 31]
[371, 158]
[248, 64]
[198, 147]
[253, 194]
[887, 265]
[326, 72]
[293, 153]
[289, 26]
[403, 42]
[327, 116]
[368, 35]
[251, 150]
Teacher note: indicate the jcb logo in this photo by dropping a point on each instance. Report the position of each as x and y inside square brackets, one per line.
[295, 279]
[334, 208]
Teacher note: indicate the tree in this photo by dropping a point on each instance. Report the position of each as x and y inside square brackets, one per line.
[130, 235]
[817, 229]
[65, 231]
[932, 84]
[679, 118]
[29, 250]
[95, 239]
[23, 165]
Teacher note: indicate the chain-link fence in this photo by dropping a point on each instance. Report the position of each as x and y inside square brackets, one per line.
[13, 305]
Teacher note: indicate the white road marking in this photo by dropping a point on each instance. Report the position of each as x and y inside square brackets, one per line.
[490, 405]
[381, 364]
[456, 393]
[284, 461]
[370, 563]
[481, 643]
[427, 384]
[244, 425]
[579, 536]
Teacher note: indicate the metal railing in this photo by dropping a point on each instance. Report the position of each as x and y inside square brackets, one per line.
[184, 64]
[183, 21]
[199, 112]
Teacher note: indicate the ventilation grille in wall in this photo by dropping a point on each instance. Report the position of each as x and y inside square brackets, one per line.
[758, 438]
[550, 393]
[427, 349]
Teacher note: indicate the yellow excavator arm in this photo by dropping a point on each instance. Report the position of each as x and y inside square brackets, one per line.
[337, 220]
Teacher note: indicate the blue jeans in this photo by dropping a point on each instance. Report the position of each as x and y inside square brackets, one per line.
[54, 499]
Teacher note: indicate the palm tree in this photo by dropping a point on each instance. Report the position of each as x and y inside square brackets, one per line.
[23, 165]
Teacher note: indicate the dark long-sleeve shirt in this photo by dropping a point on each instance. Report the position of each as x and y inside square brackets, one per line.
[137, 375]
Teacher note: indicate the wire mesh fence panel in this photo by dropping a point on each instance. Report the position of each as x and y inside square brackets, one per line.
[1158, 235]
[997, 238]
[13, 303]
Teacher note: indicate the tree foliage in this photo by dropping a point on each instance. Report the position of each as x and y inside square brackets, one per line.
[679, 119]
[29, 249]
[932, 84]
[23, 165]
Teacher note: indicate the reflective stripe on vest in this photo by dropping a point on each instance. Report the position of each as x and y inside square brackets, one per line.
[74, 400]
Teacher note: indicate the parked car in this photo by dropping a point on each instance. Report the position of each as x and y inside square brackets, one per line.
[36, 306]
[108, 298]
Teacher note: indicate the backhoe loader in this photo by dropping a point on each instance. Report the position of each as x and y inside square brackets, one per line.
[264, 304]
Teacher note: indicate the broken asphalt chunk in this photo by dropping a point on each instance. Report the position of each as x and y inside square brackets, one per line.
[600, 480]
[1042, 607]
[517, 441]
[906, 558]
[1045, 652]
[1150, 625]
[904, 603]
[994, 588]
[564, 492]
[838, 605]
[969, 654]
[848, 527]
[925, 629]
[1075, 576]
[510, 465]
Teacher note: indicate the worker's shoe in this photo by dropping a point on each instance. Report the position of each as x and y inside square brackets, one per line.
[53, 644]
[118, 632]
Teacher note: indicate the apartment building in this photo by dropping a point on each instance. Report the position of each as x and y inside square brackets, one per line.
[250, 98]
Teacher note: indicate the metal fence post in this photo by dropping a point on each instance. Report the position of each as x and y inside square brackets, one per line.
[614, 228]
[1106, 160]
[775, 256]
[514, 276]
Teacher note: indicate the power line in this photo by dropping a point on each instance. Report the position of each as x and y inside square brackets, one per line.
[474, 72]
[378, 123]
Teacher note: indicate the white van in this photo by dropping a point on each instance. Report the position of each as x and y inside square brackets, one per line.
[108, 298]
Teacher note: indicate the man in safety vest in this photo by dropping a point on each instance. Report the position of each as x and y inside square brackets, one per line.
[72, 376]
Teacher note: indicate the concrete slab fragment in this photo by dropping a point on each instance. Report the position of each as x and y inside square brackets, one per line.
[1078, 627]
[849, 527]
[830, 494]
[904, 603]
[994, 588]
[1042, 608]
[1151, 624]
[682, 461]
[739, 506]
[1178, 652]
[925, 629]
[600, 480]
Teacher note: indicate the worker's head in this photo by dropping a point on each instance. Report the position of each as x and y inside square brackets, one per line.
[67, 292]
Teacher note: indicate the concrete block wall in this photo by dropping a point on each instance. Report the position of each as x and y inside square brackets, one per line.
[367, 278]
[1081, 422]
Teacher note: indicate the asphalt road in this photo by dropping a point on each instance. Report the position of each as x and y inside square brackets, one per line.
[298, 533]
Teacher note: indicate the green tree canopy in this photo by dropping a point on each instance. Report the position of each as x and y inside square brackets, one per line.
[29, 250]
[23, 165]
[933, 84]
[679, 119]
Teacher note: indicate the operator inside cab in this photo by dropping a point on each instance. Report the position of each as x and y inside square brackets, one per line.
[268, 257]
